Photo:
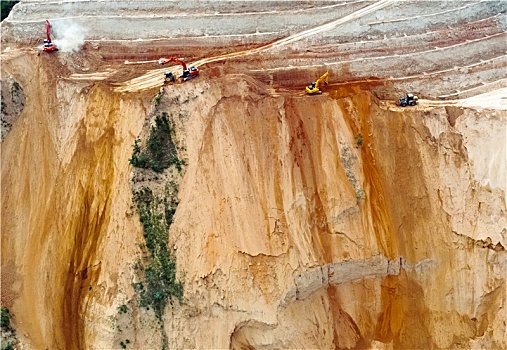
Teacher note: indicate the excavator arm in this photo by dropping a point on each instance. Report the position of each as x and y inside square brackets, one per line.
[163, 61]
[48, 31]
[324, 77]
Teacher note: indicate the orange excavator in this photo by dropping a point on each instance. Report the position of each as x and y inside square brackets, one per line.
[188, 74]
[48, 45]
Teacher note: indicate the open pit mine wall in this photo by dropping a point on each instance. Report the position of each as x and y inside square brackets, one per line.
[309, 240]
[222, 21]
[406, 45]
[290, 232]
[66, 239]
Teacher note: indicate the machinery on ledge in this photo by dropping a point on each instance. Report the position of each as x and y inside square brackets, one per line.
[409, 100]
[168, 77]
[48, 44]
[188, 73]
[313, 88]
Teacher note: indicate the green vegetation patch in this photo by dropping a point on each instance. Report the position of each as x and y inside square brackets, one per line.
[8, 336]
[123, 309]
[156, 206]
[160, 152]
[125, 343]
[359, 140]
[5, 319]
[160, 283]
[6, 7]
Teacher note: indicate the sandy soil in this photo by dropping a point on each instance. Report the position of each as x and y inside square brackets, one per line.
[286, 220]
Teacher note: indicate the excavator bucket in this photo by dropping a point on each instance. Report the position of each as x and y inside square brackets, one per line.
[325, 78]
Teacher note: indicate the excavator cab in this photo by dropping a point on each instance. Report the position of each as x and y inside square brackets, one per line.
[189, 73]
[312, 89]
[48, 46]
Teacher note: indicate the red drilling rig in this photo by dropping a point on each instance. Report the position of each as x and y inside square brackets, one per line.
[48, 45]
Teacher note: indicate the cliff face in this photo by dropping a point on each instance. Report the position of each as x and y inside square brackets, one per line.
[331, 221]
[65, 190]
[306, 237]
[326, 221]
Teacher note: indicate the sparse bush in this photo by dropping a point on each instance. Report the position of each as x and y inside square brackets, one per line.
[124, 344]
[123, 309]
[15, 87]
[5, 319]
[8, 333]
[360, 194]
[347, 159]
[170, 202]
[156, 101]
[359, 140]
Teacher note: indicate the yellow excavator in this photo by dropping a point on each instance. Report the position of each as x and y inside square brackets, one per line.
[313, 88]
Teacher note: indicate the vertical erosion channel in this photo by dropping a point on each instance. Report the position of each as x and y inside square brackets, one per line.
[375, 205]
[89, 187]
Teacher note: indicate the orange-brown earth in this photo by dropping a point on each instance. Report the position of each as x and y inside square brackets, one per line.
[332, 221]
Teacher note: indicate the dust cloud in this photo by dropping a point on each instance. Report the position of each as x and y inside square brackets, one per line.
[69, 36]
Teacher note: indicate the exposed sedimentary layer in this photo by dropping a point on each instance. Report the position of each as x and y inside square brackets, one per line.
[332, 221]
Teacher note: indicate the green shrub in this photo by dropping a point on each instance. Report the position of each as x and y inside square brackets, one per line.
[360, 194]
[170, 202]
[123, 309]
[156, 101]
[8, 333]
[124, 344]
